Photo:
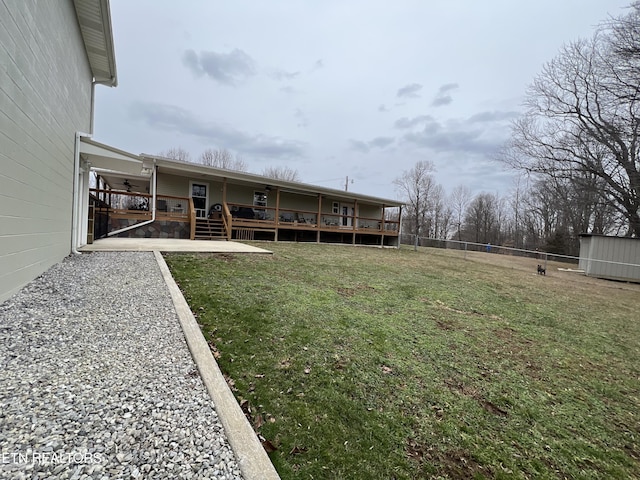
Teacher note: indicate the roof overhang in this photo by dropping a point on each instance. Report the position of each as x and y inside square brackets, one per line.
[112, 164]
[94, 18]
[177, 167]
[111, 160]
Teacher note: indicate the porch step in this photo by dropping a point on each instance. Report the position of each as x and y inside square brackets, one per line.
[209, 229]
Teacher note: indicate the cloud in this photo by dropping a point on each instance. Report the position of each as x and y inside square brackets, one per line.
[409, 91]
[226, 68]
[481, 134]
[443, 97]
[301, 117]
[383, 108]
[405, 122]
[365, 147]
[494, 116]
[450, 138]
[289, 90]
[381, 142]
[319, 64]
[359, 146]
[178, 120]
[281, 75]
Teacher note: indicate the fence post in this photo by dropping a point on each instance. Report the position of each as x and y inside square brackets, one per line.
[545, 261]
[465, 250]
[415, 243]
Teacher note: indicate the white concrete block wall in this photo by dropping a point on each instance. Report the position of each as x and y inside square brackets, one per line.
[45, 97]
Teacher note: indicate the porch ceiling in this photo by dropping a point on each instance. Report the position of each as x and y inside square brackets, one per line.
[112, 160]
[131, 183]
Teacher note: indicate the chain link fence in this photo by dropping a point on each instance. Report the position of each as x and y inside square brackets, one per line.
[538, 258]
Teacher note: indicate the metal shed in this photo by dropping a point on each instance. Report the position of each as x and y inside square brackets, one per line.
[615, 258]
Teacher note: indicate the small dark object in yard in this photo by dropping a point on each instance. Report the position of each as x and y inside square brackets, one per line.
[542, 270]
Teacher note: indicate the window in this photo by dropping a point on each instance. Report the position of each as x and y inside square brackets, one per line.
[335, 208]
[260, 200]
[200, 198]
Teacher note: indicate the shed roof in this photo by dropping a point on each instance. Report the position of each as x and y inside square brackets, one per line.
[600, 235]
[94, 18]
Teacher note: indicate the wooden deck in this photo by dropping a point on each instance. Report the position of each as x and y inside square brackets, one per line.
[248, 222]
[268, 223]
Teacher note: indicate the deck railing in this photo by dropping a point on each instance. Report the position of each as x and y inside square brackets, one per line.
[138, 205]
[192, 220]
[244, 215]
[227, 220]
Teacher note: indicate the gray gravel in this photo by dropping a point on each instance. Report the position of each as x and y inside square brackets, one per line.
[96, 380]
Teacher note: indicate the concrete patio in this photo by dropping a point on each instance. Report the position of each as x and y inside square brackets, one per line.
[115, 244]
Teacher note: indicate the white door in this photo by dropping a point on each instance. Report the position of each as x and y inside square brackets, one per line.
[347, 215]
[200, 196]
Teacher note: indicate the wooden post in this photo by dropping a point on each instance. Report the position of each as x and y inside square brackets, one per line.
[399, 225]
[319, 217]
[354, 220]
[192, 219]
[224, 190]
[277, 219]
[382, 227]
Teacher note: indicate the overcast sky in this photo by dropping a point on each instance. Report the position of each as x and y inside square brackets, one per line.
[335, 88]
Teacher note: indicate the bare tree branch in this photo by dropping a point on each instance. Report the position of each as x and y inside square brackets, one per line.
[282, 173]
[583, 117]
[222, 158]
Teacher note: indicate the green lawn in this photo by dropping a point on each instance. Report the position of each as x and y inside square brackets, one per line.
[383, 363]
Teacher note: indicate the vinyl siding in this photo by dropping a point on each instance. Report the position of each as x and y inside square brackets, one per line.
[45, 97]
[180, 187]
[597, 251]
[243, 194]
[172, 185]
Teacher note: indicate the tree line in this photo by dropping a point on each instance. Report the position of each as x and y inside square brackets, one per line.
[223, 158]
[576, 147]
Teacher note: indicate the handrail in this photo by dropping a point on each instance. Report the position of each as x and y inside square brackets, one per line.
[192, 219]
[326, 220]
[120, 192]
[227, 219]
[135, 194]
[140, 205]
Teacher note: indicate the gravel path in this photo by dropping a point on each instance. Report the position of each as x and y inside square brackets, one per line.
[96, 380]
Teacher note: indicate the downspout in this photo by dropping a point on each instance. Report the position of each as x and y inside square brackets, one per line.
[153, 207]
[75, 207]
[93, 104]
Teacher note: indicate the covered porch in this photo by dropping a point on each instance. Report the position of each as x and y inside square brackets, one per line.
[113, 213]
[154, 197]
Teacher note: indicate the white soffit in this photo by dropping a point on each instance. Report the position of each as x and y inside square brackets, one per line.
[94, 18]
[105, 158]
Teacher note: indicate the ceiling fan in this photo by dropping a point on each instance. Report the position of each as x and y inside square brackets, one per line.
[127, 184]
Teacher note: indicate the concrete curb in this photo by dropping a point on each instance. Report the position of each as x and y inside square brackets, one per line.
[252, 458]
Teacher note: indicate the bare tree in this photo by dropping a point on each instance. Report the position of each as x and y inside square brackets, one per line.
[584, 116]
[282, 173]
[556, 210]
[222, 158]
[516, 203]
[459, 200]
[481, 219]
[176, 153]
[415, 187]
[439, 214]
